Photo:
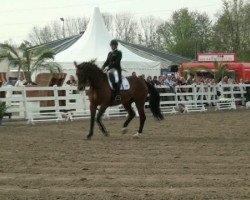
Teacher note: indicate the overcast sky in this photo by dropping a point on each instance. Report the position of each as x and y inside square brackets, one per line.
[17, 17]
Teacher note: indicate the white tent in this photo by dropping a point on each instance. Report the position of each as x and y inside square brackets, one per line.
[94, 44]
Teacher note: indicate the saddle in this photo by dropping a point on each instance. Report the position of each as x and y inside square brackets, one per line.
[113, 78]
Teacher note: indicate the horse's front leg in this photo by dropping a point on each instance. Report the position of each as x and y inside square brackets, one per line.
[92, 121]
[99, 120]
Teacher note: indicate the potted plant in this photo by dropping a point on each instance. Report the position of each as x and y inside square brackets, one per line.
[3, 109]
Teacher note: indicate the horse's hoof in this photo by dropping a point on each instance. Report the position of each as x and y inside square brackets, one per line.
[124, 130]
[89, 137]
[106, 134]
[137, 135]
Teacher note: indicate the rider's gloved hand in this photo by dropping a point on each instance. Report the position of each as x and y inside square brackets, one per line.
[105, 69]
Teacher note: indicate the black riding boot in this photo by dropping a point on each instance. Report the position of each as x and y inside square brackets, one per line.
[117, 92]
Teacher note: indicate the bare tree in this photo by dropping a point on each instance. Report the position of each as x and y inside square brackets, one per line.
[126, 27]
[108, 19]
[55, 31]
[149, 32]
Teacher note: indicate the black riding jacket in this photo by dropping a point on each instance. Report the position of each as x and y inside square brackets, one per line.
[113, 60]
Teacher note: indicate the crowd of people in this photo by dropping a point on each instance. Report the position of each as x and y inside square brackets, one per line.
[173, 80]
[170, 80]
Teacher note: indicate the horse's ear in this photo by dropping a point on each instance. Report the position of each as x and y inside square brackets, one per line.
[93, 61]
[75, 63]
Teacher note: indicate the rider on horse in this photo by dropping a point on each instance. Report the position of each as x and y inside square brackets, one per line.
[114, 62]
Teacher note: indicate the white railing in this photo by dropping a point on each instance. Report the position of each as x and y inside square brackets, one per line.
[24, 101]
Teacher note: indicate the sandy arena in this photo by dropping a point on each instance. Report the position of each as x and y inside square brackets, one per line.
[196, 156]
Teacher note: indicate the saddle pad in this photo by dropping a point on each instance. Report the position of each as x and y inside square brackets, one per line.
[125, 84]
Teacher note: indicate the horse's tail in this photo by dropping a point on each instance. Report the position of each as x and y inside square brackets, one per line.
[154, 102]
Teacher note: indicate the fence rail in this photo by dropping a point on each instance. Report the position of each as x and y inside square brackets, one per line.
[25, 101]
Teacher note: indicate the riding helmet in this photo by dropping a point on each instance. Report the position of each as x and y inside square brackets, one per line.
[113, 42]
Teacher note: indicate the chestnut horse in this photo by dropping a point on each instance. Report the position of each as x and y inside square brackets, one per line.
[100, 95]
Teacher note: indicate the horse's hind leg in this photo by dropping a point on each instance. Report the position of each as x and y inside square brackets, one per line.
[140, 107]
[99, 120]
[131, 115]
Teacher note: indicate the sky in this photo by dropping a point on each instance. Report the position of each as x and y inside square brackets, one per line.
[17, 17]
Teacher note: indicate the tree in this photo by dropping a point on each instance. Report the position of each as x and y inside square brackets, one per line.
[149, 35]
[108, 20]
[184, 30]
[55, 31]
[231, 30]
[125, 27]
[29, 61]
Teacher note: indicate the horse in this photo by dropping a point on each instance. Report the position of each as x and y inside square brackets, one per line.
[100, 96]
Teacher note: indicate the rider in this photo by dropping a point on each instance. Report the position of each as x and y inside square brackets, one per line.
[114, 62]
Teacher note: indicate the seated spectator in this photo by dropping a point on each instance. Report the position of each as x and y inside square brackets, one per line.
[230, 81]
[224, 80]
[241, 81]
[71, 81]
[20, 82]
[169, 81]
[191, 80]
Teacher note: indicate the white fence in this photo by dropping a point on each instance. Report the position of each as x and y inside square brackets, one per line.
[57, 103]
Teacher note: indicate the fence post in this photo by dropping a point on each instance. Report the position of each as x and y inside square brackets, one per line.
[56, 101]
[209, 94]
[242, 94]
[176, 96]
[232, 91]
[194, 89]
[25, 107]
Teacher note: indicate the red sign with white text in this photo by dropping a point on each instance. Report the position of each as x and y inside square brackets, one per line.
[219, 57]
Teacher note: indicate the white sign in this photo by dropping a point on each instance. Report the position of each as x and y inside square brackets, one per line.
[217, 57]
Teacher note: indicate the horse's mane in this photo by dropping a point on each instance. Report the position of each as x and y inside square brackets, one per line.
[92, 71]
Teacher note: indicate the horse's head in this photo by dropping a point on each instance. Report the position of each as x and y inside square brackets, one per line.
[81, 76]
[84, 72]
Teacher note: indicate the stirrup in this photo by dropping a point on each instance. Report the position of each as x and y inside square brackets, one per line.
[118, 97]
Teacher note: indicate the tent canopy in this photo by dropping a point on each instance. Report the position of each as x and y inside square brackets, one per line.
[94, 44]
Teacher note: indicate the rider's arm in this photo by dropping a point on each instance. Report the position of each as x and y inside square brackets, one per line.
[106, 63]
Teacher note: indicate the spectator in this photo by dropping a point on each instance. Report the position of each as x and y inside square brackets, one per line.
[143, 76]
[155, 81]
[169, 81]
[134, 74]
[71, 81]
[230, 81]
[149, 80]
[224, 80]
[241, 81]
[190, 80]
[20, 82]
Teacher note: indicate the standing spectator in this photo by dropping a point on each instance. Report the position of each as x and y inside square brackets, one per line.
[155, 81]
[143, 76]
[134, 74]
[161, 80]
[149, 80]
